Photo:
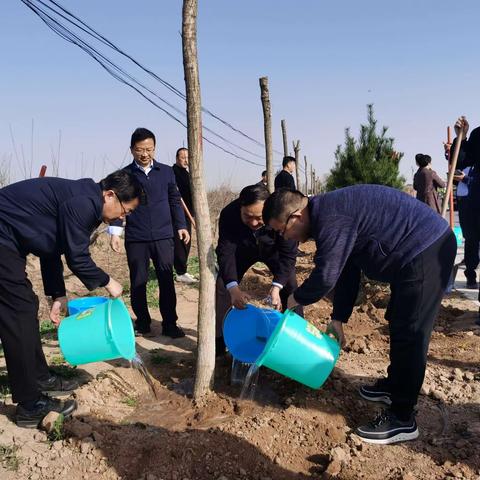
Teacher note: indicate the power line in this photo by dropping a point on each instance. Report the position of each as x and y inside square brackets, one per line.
[119, 74]
[102, 39]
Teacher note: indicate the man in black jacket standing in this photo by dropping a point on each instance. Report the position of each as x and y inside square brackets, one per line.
[50, 217]
[470, 157]
[149, 235]
[244, 240]
[285, 178]
[182, 249]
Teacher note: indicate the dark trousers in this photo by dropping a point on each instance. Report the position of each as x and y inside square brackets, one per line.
[181, 252]
[417, 293]
[470, 222]
[19, 330]
[223, 301]
[138, 257]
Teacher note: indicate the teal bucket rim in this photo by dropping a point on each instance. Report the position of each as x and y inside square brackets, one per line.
[272, 341]
[111, 330]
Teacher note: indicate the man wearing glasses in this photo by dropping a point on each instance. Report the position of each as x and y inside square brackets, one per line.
[50, 217]
[390, 237]
[243, 240]
[149, 234]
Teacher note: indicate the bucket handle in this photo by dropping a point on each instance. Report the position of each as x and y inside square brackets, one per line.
[109, 318]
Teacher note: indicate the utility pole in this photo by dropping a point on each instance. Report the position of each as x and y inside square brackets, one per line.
[206, 309]
[267, 128]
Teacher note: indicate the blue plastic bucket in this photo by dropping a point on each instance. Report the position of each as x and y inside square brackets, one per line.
[247, 331]
[80, 304]
[298, 350]
[458, 235]
[99, 333]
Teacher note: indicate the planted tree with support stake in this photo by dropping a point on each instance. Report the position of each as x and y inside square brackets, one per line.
[206, 310]
[267, 127]
[296, 149]
[370, 159]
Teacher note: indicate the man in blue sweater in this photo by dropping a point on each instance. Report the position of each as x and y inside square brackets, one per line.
[390, 237]
[149, 235]
[50, 217]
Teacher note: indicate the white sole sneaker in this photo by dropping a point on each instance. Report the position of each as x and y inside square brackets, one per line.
[400, 437]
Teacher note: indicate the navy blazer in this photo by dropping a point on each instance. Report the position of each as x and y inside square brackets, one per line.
[369, 228]
[48, 217]
[163, 211]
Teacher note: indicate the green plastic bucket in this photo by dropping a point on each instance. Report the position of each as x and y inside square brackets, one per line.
[298, 350]
[100, 333]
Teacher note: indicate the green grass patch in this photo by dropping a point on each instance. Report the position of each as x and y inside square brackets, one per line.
[130, 401]
[9, 458]
[4, 386]
[47, 327]
[57, 360]
[58, 432]
[157, 358]
[193, 266]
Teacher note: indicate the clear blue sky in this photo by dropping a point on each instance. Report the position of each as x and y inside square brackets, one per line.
[415, 60]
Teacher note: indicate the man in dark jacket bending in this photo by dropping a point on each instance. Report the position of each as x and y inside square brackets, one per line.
[50, 217]
[392, 238]
[244, 240]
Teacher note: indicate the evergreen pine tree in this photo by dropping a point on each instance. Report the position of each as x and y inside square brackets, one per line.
[370, 159]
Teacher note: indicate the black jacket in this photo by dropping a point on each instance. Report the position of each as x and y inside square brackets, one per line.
[48, 217]
[284, 180]
[237, 242]
[182, 178]
[163, 211]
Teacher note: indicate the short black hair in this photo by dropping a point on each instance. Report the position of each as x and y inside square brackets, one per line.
[423, 160]
[141, 134]
[264, 173]
[253, 194]
[281, 203]
[179, 150]
[287, 160]
[125, 185]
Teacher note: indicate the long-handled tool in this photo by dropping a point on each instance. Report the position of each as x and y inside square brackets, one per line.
[453, 166]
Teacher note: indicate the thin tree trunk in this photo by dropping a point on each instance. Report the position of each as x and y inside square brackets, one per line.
[311, 180]
[306, 174]
[267, 127]
[206, 310]
[284, 136]
[296, 149]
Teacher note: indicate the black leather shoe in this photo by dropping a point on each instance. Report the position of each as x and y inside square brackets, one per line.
[57, 384]
[142, 330]
[173, 332]
[43, 406]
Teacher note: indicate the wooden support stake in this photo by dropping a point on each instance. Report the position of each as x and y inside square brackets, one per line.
[306, 175]
[296, 149]
[43, 171]
[284, 136]
[267, 128]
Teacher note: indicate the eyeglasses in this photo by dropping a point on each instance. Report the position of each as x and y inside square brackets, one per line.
[139, 151]
[124, 212]
[282, 233]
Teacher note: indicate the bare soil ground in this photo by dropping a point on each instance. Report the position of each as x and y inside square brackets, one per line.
[289, 432]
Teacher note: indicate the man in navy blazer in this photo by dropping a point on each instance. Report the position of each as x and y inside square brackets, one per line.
[149, 234]
[50, 217]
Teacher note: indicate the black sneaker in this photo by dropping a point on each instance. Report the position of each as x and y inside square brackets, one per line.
[378, 392]
[142, 330]
[388, 428]
[472, 284]
[43, 406]
[173, 332]
[56, 384]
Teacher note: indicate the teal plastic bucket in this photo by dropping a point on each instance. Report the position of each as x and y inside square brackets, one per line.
[100, 333]
[458, 235]
[298, 350]
[78, 305]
